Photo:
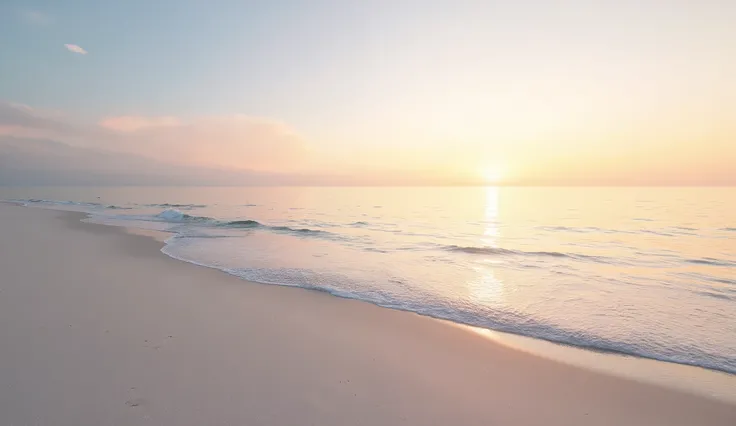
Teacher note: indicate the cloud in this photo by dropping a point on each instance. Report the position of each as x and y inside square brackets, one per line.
[233, 141]
[35, 17]
[228, 141]
[24, 121]
[76, 49]
[128, 123]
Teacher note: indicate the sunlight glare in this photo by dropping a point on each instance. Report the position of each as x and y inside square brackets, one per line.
[492, 174]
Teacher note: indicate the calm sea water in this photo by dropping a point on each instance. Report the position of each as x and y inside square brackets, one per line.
[641, 271]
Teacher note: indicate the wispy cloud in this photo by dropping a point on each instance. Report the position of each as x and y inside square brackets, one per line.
[128, 123]
[230, 141]
[36, 18]
[76, 49]
[20, 115]
[235, 141]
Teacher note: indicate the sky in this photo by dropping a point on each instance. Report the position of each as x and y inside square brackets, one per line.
[577, 92]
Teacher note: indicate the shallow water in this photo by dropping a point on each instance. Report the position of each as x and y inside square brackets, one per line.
[642, 271]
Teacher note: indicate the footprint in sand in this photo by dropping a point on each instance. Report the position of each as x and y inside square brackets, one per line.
[151, 345]
[134, 400]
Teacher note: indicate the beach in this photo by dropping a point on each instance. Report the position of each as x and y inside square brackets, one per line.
[97, 327]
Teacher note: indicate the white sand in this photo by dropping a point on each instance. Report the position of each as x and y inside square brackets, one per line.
[98, 328]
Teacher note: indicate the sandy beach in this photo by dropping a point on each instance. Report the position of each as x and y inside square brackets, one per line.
[98, 328]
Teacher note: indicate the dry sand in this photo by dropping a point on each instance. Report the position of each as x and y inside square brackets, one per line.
[97, 328]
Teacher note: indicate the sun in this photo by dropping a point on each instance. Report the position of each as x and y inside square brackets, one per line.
[492, 174]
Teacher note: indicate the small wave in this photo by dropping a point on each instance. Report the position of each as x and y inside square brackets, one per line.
[242, 224]
[113, 207]
[482, 250]
[178, 206]
[506, 252]
[41, 200]
[728, 229]
[570, 229]
[704, 277]
[653, 232]
[722, 280]
[584, 229]
[306, 231]
[375, 250]
[682, 230]
[359, 223]
[211, 237]
[61, 203]
[710, 261]
[714, 295]
[174, 215]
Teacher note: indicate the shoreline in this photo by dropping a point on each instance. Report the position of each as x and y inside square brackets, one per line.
[441, 369]
[618, 364]
[567, 339]
[712, 382]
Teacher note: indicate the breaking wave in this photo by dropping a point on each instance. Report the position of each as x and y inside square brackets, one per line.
[174, 215]
[242, 224]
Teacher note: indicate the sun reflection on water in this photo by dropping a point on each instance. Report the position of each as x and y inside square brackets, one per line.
[487, 288]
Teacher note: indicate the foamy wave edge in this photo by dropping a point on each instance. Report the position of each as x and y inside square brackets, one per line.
[543, 331]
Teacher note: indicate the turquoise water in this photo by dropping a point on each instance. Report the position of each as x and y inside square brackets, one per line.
[641, 271]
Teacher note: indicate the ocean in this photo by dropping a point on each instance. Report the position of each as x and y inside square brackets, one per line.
[648, 272]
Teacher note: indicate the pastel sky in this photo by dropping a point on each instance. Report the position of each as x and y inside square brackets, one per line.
[428, 91]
